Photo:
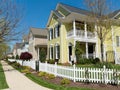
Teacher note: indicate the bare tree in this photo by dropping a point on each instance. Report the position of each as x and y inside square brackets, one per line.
[100, 10]
[10, 16]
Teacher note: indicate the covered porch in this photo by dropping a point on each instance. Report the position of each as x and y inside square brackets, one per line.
[87, 50]
[41, 52]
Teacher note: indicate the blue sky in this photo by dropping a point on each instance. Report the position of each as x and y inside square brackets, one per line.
[36, 12]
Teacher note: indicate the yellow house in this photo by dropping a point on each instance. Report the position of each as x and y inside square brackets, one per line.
[67, 25]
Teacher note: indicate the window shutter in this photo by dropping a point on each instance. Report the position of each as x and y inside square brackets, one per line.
[54, 32]
[59, 51]
[49, 52]
[52, 52]
[117, 41]
[58, 32]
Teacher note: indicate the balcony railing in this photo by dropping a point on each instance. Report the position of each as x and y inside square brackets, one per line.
[81, 34]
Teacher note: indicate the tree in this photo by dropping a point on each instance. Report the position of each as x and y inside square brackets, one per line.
[42, 55]
[10, 17]
[25, 56]
[100, 10]
[4, 49]
[17, 56]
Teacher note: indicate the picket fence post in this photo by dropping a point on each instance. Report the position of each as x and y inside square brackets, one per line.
[104, 75]
[46, 66]
[74, 73]
[55, 69]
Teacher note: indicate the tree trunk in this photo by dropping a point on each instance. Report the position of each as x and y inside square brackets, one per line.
[101, 45]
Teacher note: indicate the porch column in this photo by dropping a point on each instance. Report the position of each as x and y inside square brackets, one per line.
[38, 53]
[96, 50]
[85, 27]
[113, 44]
[74, 28]
[86, 49]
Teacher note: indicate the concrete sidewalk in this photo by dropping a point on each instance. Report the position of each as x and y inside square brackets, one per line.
[17, 80]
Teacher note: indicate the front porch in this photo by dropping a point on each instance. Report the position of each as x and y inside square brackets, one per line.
[86, 50]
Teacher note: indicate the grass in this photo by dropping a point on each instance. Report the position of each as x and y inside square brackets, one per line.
[51, 85]
[3, 83]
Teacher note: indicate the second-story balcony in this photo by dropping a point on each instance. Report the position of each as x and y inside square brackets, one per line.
[82, 35]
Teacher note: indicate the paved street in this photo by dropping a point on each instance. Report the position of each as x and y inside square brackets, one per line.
[17, 80]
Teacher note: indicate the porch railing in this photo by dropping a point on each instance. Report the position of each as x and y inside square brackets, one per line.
[81, 34]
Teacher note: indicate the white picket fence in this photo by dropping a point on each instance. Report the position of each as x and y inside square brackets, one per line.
[94, 75]
[30, 63]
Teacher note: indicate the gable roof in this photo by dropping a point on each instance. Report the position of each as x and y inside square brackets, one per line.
[114, 14]
[75, 12]
[38, 32]
[70, 9]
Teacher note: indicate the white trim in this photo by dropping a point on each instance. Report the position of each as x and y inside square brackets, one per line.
[85, 28]
[86, 49]
[74, 28]
[38, 52]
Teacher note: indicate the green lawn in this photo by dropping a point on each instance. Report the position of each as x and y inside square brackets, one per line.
[52, 86]
[3, 83]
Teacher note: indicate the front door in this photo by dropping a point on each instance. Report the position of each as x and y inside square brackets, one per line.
[70, 52]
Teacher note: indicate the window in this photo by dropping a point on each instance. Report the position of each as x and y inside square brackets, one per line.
[51, 52]
[118, 41]
[57, 31]
[57, 52]
[50, 34]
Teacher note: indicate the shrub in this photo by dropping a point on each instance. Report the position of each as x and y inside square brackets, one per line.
[17, 57]
[108, 65]
[25, 56]
[40, 74]
[65, 81]
[43, 55]
[17, 65]
[13, 57]
[51, 76]
[96, 60]
[26, 67]
[26, 71]
[51, 61]
[47, 75]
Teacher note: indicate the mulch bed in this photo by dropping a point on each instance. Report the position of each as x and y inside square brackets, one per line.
[95, 86]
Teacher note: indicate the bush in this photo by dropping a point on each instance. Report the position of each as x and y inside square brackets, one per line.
[65, 81]
[26, 67]
[26, 71]
[43, 55]
[17, 57]
[51, 76]
[17, 65]
[96, 60]
[108, 65]
[25, 56]
[40, 74]
[51, 61]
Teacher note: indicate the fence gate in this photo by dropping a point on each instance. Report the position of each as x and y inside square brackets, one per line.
[37, 65]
